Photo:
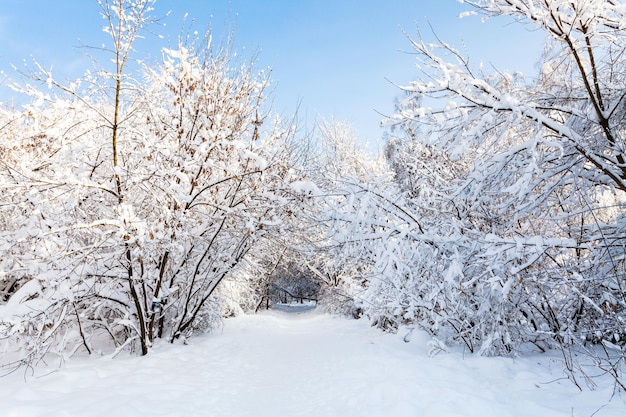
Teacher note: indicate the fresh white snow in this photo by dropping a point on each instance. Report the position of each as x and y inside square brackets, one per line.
[293, 362]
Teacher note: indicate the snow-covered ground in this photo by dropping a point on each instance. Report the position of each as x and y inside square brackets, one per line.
[304, 363]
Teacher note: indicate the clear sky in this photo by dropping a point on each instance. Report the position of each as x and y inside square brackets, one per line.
[329, 57]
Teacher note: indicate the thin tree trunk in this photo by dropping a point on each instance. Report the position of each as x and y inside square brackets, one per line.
[137, 302]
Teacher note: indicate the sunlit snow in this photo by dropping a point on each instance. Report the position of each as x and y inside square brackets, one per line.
[299, 362]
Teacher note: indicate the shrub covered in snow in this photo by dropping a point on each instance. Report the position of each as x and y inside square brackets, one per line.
[504, 225]
[130, 195]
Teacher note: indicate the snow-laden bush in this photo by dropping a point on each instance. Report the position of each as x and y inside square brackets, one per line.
[503, 227]
[129, 197]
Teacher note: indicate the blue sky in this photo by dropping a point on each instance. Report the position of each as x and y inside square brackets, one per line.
[329, 57]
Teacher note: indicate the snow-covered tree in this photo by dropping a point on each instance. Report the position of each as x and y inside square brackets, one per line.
[503, 225]
[524, 181]
[348, 193]
[130, 195]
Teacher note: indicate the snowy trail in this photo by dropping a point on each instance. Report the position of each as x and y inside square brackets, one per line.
[303, 364]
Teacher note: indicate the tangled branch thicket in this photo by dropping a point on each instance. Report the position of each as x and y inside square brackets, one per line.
[503, 227]
[128, 197]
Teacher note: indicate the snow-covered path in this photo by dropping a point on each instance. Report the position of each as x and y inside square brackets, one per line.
[283, 364]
